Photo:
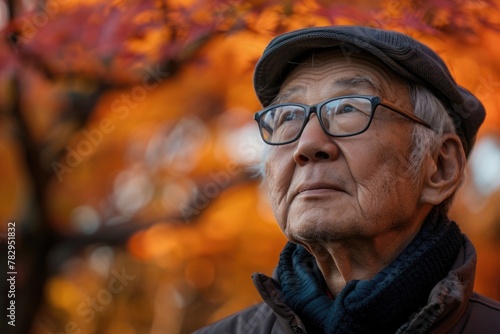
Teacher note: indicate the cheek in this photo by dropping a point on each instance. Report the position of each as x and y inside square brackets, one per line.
[382, 178]
[279, 171]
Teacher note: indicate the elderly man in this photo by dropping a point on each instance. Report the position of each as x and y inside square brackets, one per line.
[368, 138]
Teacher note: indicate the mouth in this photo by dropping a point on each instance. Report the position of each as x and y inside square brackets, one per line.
[317, 189]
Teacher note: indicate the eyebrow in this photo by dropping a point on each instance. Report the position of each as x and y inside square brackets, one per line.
[358, 82]
[284, 96]
[343, 83]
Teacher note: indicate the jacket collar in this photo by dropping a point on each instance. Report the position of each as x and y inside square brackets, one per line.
[449, 298]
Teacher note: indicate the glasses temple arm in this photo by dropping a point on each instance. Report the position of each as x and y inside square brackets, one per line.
[405, 113]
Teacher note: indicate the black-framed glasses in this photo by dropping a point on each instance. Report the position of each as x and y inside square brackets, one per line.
[342, 116]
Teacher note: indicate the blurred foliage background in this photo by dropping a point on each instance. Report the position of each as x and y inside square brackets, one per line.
[126, 138]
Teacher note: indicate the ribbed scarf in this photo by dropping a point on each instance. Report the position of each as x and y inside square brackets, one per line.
[381, 304]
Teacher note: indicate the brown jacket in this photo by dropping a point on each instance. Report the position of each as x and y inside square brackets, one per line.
[452, 307]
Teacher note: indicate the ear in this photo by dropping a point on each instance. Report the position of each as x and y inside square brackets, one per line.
[444, 171]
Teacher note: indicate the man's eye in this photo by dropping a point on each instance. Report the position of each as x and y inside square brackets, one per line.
[288, 115]
[346, 108]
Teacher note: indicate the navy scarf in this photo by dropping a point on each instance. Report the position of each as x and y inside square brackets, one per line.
[381, 304]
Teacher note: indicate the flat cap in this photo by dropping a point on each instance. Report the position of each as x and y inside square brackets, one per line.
[404, 55]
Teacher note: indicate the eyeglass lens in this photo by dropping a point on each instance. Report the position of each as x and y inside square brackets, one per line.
[339, 117]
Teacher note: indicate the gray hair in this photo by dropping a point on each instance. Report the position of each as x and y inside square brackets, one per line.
[423, 140]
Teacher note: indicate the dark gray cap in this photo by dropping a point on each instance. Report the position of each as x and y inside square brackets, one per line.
[402, 54]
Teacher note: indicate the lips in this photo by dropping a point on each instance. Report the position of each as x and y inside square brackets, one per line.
[317, 186]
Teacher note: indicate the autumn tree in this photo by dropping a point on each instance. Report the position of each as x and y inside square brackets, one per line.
[127, 127]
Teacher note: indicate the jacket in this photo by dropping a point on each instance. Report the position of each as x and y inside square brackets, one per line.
[452, 307]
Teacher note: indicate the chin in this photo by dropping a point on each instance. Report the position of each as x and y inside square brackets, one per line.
[309, 232]
[314, 230]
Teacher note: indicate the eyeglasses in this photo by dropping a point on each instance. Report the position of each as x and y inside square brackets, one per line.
[339, 117]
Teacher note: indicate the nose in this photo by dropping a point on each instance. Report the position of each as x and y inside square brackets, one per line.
[315, 144]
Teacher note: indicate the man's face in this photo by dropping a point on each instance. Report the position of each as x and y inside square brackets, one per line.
[326, 189]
